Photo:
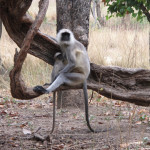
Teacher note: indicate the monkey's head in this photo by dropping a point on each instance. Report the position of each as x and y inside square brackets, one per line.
[65, 37]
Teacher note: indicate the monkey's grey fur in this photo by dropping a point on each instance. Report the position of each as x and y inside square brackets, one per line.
[75, 67]
[58, 65]
[78, 66]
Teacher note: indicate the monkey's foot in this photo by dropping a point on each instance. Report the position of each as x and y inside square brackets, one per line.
[40, 90]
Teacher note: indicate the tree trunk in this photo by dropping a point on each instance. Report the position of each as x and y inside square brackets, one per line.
[0, 39]
[149, 45]
[0, 28]
[99, 20]
[99, 16]
[70, 15]
[131, 85]
[2, 67]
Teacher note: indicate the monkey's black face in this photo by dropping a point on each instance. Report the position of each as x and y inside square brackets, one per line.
[65, 36]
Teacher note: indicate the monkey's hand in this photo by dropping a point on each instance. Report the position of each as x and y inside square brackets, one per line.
[40, 90]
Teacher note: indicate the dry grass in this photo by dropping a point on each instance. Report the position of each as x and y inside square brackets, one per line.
[111, 45]
[120, 47]
[51, 12]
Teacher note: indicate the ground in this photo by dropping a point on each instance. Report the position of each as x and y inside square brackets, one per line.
[127, 125]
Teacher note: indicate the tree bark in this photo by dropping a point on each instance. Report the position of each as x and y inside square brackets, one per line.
[0, 28]
[2, 67]
[98, 11]
[149, 45]
[145, 11]
[70, 15]
[18, 87]
[131, 85]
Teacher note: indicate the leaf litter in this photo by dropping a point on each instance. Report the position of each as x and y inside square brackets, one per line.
[21, 119]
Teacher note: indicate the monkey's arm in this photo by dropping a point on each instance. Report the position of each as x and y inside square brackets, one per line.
[80, 45]
[70, 54]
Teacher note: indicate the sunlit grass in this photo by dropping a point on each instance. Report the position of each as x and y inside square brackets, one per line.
[119, 47]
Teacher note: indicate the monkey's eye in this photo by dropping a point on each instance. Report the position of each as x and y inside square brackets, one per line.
[65, 36]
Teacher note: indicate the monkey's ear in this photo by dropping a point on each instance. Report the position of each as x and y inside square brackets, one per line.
[39, 89]
[58, 56]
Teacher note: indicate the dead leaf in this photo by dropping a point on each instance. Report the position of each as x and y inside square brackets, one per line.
[1, 106]
[13, 124]
[51, 104]
[25, 131]
[138, 122]
[59, 147]
[1, 103]
[21, 105]
[143, 111]
[23, 124]
[14, 144]
[3, 112]
[13, 138]
[37, 106]
[117, 104]
[72, 128]
[37, 144]
[148, 143]
[108, 113]
[125, 145]
[145, 121]
[13, 114]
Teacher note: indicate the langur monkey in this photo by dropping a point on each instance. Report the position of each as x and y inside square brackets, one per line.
[76, 68]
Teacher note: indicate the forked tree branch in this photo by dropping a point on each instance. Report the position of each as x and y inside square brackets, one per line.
[18, 88]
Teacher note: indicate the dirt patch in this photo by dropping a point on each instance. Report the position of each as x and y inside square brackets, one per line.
[129, 125]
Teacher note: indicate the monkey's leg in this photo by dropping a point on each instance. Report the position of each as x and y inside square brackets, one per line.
[70, 79]
[86, 106]
[54, 112]
[57, 82]
[73, 79]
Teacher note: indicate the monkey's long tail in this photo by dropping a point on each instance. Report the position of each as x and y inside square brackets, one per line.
[54, 111]
[86, 106]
